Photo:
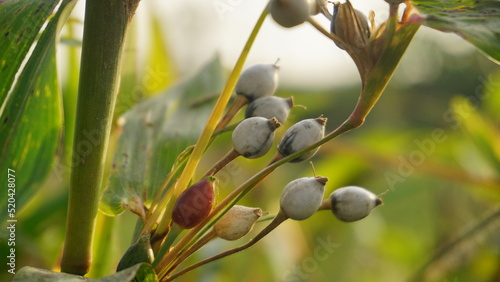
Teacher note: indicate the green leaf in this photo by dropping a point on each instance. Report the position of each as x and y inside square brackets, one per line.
[140, 272]
[476, 21]
[154, 133]
[160, 71]
[30, 112]
[483, 134]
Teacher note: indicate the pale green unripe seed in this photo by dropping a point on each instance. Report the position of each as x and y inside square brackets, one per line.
[139, 252]
[302, 197]
[301, 135]
[253, 137]
[353, 203]
[269, 107]
[257, 81]
[289, 13]
[237, 222]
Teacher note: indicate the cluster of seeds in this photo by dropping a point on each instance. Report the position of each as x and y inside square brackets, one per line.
[253, 137]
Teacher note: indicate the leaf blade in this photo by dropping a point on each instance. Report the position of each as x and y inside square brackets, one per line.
[31, 115]
[476, 21]
[154, 133]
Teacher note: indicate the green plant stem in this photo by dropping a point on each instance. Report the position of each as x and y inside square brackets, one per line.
[209, 236]
[280, 218]
[223, 162]
[105, 27]
[173, 233]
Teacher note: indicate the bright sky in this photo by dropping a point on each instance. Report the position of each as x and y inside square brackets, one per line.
[196, 30]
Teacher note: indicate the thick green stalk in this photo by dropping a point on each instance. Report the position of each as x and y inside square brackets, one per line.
[105, 27]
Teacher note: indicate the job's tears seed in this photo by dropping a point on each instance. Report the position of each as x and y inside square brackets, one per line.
[289, 13]
[237, 222]
[269, 107]
[253, 137]
[302, 197]
[195, 203]
[301, 135]
[353, 203]
[257, 81]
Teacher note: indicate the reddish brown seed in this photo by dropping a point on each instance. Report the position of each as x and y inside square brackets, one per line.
[194, 204]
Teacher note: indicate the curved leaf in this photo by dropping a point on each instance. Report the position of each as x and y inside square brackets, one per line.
[476, 21]
[139, 272]
[154, 133]
[30, 111]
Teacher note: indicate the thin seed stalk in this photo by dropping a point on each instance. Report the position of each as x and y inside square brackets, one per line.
[224, 161]
[280, 218]
[209, 236]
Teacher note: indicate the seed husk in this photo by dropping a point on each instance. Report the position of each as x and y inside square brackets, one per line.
[237, 222]
[350, 25]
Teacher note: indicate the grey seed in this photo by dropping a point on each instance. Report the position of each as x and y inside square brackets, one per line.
[253, 137]
[269, 107]
[302, 197]
[301, 135]
[257, 81]
[353, 203]
[289, 13]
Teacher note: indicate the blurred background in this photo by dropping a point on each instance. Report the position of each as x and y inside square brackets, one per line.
[431, 146]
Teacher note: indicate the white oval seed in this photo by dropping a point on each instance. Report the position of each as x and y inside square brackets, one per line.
[353, 203]
[302, 197]
[257, 81]
[301, 135]
[253, 137]
[269, 107]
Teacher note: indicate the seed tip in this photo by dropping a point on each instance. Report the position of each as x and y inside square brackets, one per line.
[258, 212]
[321, 120]
[290, 102]
[274, 123]
[275, 65]
[322, 180]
